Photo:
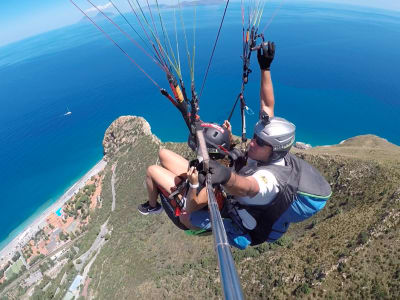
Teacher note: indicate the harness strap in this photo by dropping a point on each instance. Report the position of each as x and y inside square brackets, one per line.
[181, 188]
[230, 211]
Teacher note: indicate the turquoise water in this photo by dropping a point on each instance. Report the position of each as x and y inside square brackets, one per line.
[59, 212]
[335, 76]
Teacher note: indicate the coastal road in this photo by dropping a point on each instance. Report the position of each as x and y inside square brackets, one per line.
[114, 167]
[97, 244]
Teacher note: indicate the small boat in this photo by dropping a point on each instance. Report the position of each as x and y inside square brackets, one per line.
[68, 112]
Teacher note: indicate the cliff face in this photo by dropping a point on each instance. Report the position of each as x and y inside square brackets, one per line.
[348, 250]
[123, 134]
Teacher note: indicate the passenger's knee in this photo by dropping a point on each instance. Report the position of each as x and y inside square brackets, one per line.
[164, 155]
[150, 170]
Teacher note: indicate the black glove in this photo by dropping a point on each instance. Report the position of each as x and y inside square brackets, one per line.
[265, 55]
[219, 173]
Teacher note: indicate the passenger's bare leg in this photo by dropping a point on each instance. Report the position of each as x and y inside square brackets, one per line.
[152, 190]
[158, 176]
[173, 162]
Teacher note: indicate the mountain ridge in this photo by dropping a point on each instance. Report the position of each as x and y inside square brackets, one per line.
[97, 18]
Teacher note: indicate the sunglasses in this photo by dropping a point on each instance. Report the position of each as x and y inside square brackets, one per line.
[259, 141]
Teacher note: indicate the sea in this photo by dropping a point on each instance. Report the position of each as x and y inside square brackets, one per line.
[335, 76]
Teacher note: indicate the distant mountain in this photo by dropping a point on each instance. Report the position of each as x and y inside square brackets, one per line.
[100, 17]
[97, 18]
[199, 3]
[191, 3]
[202, 2]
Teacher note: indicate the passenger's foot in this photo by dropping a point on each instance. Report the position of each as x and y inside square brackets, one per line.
[146, 209]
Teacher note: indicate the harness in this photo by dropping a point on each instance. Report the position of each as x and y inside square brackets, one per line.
[296, 179]
[173, 205]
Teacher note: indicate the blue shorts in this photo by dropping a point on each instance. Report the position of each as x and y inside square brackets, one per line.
[236, 237]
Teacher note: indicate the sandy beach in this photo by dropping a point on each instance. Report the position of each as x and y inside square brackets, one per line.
[21, 239]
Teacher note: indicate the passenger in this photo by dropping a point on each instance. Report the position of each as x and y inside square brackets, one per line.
[272, 188]
[168, 178]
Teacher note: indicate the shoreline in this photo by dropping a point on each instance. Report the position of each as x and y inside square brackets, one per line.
[38, 222]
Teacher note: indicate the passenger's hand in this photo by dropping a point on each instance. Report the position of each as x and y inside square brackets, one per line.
[265, 55]
[227, 125]
[193, 175]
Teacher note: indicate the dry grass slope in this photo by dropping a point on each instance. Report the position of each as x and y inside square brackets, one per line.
[349, 250]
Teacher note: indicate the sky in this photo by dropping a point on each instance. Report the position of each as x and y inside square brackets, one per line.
[24, 18]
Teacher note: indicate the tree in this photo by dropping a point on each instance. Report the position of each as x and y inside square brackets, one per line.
[362, 238]
[44, 267]
[16, 256]
[302, 289]
[78, 205]
[85, 199]
[49, 294]
[63, 236]
[72, 236]
[38, 294]
[12, 277]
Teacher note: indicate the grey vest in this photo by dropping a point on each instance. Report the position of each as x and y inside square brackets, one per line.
[297, 176]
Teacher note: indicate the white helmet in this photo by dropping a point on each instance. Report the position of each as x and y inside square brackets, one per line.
[277, 133]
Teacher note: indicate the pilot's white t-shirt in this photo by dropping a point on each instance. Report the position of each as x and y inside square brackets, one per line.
[267, 184]
[268, 189]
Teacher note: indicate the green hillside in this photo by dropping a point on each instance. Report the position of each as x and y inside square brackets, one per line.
[349, 250]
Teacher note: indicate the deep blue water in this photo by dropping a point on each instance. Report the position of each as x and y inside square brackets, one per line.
[335, 76]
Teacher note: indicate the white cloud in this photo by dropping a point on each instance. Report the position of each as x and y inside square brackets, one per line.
[101, 7]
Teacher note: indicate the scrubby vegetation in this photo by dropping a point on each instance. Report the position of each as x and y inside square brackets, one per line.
[55, 288]
[349, 250]
[79, 206]
[345, 251]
